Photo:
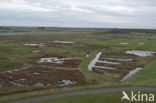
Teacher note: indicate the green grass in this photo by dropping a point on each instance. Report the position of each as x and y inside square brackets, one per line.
[12, 55]
[64, 50]
[142, 34]
[146, 75]
[114, 97]
[133, 44]
[91, 77]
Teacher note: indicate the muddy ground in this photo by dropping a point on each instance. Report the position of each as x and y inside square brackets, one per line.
[29, 78]
[124, 67]
[14, 54]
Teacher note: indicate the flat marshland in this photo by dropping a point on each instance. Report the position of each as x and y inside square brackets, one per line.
[38, 58]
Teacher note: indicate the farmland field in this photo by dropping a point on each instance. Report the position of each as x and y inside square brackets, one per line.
[36, 59]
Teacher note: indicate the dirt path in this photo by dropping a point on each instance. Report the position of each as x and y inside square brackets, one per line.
[92, 91]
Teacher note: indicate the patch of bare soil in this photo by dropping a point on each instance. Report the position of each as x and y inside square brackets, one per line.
[145, 60]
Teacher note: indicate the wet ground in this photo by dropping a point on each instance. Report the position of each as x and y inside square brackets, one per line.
[122, 64]
[46, 71]
[58, 70]
[57, 60]
[40, 77]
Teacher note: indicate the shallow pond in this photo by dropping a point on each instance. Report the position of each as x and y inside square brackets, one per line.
[93, 62]
[103, 67]
[87, 56]
[53, 60]
[64, 42]
[140, 53]
[131, 73]
[108, 62]
[22, 79]
[31, 44]
[41, 85]
[66, 82]
[14, 70]
[17, 84]
[123, 43]
[141, 43]
[36, 51]
[41, 44]
[36, 73]
[118, 59]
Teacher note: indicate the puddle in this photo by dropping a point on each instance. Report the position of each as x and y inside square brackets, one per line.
[36, 51]
[22, 79]
[36, 73]
[11, 71]
[140, 53]
[53, 60]
[93, 62]
[17, 84]
[131, 73]
[41, 85]
[64, 42]
[103, 67]
[31, 44]
[0, 86]
[10, 76]
[118, 59]
[67, 82]
[50, 60]
[124, 43]
[14, 70]
[108, 62]
[87, 56]
[41, 44]
[141, 43]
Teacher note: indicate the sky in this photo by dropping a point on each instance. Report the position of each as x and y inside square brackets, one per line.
[79, 13]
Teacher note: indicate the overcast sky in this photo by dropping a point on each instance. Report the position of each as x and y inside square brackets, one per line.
[79, 13]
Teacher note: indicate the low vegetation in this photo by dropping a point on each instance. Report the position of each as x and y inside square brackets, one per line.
[16, 52]
[114, 97]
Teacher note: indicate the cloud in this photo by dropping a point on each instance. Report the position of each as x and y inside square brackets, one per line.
[79, 13]
[23, 5]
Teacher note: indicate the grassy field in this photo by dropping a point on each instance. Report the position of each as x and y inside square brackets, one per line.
[132, 44]
[114, 97]
[146, 75]
[14, 54]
